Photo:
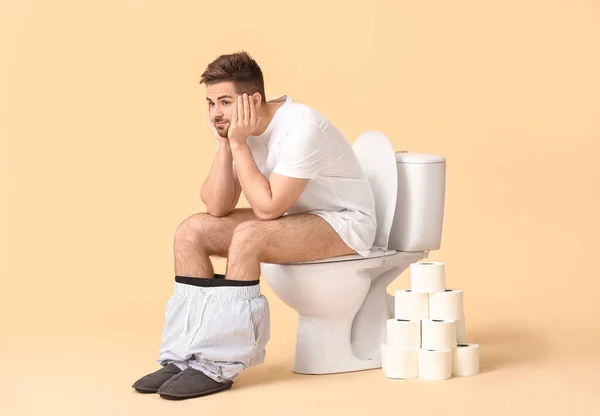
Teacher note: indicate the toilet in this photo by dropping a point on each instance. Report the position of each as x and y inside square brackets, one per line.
[342, 302]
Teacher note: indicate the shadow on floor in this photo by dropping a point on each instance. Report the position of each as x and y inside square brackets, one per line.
[266, 373]
[509, 346]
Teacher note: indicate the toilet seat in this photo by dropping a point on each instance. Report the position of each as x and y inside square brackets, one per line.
[350, 257]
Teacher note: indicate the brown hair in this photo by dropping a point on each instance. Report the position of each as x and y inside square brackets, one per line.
[238, 68]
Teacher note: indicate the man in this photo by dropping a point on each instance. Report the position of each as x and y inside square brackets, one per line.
[309, 200]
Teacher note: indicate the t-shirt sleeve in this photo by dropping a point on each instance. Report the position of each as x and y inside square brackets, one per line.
[303, 152]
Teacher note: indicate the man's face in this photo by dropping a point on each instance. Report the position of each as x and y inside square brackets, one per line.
[220, 99]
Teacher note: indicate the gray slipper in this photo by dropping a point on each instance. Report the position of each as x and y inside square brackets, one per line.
[191, 383]
[150, 383]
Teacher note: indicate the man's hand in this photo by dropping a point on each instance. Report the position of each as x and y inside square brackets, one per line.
[244, 120]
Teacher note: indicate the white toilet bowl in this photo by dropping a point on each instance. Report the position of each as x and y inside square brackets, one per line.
[342, 305]
[342, 302]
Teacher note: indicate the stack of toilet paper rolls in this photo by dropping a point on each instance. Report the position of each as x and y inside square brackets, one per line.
[427, 338]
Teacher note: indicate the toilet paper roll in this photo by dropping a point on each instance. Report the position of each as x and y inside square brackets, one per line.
[461, 332]
[411, 305]
[446, 305]
[399, 363]
[428, 277]
[435, 364]
[438, 334]
[405, 334]
[465, 360]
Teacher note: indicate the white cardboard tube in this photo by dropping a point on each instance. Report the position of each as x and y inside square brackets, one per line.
[411, 305]
[446, 305]
[461, 331]
[399, 363]
[403, 334]
[435, 364]
[428, 277]
[437, 334]
[465, 360]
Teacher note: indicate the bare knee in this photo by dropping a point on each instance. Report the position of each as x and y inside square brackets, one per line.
[248, 237]
[209, 234]
[194, 228]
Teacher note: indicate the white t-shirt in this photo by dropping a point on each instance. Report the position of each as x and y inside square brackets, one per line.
[301, 143]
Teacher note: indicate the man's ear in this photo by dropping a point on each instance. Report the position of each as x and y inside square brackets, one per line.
[257, 99]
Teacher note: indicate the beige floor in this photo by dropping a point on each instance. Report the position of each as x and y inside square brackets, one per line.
[84, 365]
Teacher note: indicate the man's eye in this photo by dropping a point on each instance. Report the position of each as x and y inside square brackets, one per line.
[211, 104]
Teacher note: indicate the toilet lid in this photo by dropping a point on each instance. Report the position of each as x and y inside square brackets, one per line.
[378, 161]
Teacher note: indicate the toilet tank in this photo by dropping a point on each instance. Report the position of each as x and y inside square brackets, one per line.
[417, 224]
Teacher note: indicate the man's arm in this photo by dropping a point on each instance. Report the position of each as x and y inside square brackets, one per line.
[269, 198]
[302, 154]
[237, 192]
[221, 190]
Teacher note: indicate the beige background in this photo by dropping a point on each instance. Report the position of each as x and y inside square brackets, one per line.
[104, 147]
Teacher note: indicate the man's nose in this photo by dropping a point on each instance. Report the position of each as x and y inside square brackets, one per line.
[217, 112]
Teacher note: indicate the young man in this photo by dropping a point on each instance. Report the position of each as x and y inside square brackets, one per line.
[309, 200]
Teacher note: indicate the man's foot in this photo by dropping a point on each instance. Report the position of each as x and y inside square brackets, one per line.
[191, 383]
[150, 383]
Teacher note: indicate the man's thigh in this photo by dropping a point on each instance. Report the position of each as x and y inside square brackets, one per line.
[297, 238]
[215, 233]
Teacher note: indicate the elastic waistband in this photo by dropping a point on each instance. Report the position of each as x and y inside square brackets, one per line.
[221, 292]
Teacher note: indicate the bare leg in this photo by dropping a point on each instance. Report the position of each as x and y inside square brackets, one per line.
[291, 238]
[202, 235]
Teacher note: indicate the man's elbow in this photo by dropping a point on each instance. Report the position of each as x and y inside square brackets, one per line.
[268, 215]
[217, 212]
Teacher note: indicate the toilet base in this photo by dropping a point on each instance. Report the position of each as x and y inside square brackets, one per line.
[343, 344]
[323, 347]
